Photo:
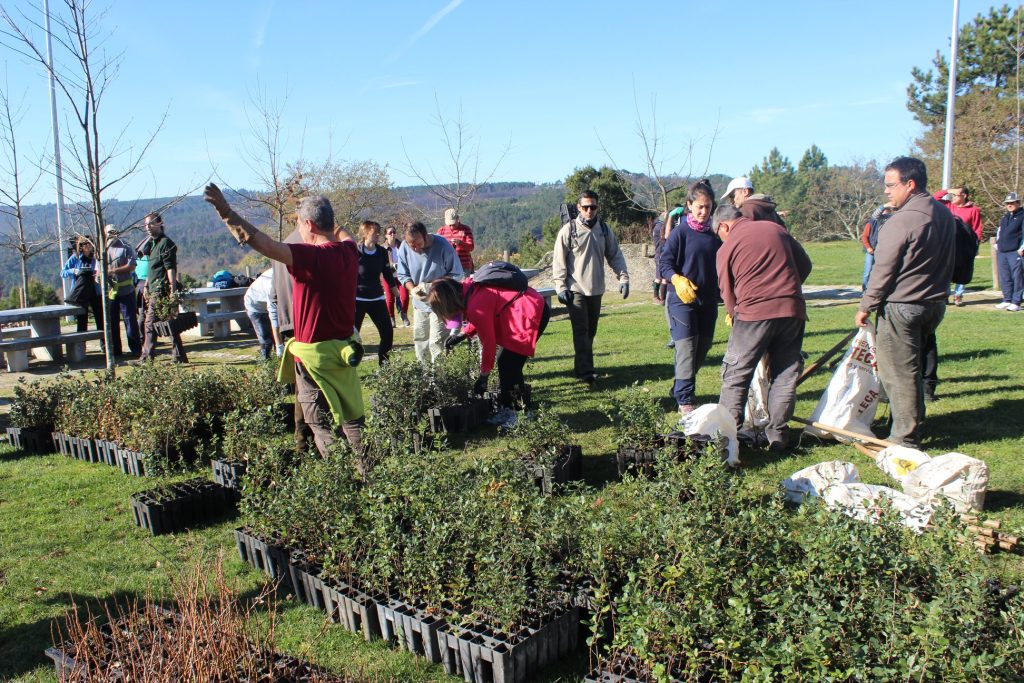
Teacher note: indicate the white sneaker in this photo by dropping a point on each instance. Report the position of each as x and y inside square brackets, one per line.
[1005, 304]
[1013, 308]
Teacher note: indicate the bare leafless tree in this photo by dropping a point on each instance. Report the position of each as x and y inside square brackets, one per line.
[263, 152]
[455, 181]
[83, 72]
[667, 167]
[15, 187]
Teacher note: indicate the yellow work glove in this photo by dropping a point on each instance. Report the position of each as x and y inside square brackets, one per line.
[728, 319]
[685, 290]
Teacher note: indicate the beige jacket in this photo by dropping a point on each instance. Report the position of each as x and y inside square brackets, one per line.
[914, 256]
[578, 263]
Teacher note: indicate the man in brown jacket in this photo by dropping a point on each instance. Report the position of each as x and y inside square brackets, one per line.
[760, 272]
[755, 206]
[907, 288]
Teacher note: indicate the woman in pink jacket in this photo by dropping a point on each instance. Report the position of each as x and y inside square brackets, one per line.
[498, 317]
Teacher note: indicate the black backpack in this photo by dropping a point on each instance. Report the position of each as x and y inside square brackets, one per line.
[500, 275]
[965, 249]
[567, 212]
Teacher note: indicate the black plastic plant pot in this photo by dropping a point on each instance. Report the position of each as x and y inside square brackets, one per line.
[622, 668]
[481, 655]
[354, 609]
[266, 556]
[409, 627]
[178, 507]
[36, 441]
[60, 442]
[567, 467]
[177, 325]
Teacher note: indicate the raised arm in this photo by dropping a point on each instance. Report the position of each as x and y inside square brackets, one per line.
[243, 231]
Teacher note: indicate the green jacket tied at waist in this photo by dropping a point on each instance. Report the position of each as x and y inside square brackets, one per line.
[332, 365]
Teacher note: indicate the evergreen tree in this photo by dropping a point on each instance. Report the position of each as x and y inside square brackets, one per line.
[775, 177]
[987, 59]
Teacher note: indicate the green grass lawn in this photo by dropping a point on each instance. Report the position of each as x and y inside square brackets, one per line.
[66, 531]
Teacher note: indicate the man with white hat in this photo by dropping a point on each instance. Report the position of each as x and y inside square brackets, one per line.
[121, 300]
[756, 207]
[459, 236]
[1010, 249]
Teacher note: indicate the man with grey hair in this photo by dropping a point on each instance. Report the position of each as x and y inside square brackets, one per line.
[326, 348]
[760, 272]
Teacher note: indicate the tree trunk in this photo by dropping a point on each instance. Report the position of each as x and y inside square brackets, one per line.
[24, 279]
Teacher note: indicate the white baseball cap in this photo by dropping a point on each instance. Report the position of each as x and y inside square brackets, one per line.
[737, 183]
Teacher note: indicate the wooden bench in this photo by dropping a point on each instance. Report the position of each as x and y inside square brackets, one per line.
[16, 350]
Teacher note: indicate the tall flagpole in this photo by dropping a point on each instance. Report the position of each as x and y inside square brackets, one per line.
[947, 155]
[56, 147]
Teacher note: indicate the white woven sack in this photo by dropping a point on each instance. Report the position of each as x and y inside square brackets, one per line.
[755, 413]
[712, 420]
[813, 481]
[863, 501]
[958, 478]
[899, 461]
[851, 398]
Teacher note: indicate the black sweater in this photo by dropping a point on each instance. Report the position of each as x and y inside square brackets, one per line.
[371, 267]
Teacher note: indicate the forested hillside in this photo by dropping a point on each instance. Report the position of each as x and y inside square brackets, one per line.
[499, 214]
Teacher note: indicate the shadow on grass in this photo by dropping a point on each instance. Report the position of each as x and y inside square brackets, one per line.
[971, 355]
[22, 647]
[997, 421]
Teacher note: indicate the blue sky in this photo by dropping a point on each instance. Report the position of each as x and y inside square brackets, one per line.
[554, 80]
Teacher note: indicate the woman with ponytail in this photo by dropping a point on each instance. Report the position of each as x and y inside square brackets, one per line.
[687, 261]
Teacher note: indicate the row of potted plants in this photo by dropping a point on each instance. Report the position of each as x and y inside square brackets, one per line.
[172, 414]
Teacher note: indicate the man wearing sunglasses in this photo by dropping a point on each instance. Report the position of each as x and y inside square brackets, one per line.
[581, 249]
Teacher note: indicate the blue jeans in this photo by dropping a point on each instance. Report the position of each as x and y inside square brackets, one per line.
[123, 307]
[869, 262]
[264, 334]
[1011, 278]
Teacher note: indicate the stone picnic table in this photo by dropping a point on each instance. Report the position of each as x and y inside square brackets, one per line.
[44, 326]
[230, 312]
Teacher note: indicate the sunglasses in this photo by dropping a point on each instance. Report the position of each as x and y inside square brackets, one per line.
[588, 207]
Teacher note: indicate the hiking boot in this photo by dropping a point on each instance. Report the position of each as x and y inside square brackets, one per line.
[958, 300]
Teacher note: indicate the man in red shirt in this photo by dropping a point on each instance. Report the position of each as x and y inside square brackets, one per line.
[324, 268]
[761, 269]
[460, 236]
[960, 205]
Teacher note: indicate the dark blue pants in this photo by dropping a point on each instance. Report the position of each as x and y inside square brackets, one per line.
[124, 307]
[1011, 277]
[693, 331]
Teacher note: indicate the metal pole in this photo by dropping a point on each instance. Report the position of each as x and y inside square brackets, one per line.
[56, 147]
[947, 155]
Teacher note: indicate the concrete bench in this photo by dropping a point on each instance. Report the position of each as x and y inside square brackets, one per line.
[15, 332]
[221, 322]
[16, 350]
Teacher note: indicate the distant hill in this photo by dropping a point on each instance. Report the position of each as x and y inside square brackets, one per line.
[498, 214]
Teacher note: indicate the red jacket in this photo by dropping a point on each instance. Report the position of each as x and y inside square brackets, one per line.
[491, 317]
[464, 246]
[969, 213]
